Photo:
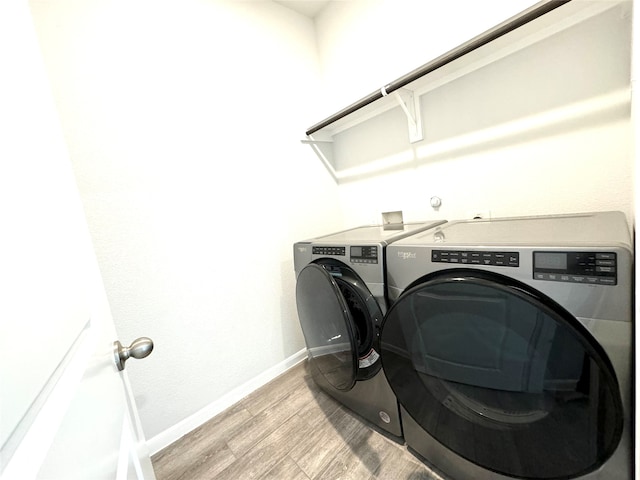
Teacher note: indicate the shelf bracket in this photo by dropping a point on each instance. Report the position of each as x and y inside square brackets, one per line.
[410, 104]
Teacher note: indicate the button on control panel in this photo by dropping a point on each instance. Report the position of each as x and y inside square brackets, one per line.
[595, 268]
[490, 258]
[333, 251]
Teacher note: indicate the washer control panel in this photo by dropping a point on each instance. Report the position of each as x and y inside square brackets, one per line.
[364, 254]
[357, 254]
[576, 267]
[492, 258]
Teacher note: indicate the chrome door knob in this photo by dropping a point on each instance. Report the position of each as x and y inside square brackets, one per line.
[140, 348]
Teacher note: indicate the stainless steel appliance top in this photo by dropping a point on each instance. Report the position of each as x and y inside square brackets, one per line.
[585, 229]
[375, 233]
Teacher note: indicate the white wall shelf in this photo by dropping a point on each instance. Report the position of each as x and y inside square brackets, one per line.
[534, 25]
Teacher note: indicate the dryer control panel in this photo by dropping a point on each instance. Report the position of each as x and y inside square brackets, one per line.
[598, 268]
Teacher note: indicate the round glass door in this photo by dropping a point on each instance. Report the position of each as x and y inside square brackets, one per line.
[502, 375]
[327, 327]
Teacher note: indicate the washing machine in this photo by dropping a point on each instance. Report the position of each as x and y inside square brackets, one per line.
[509, 346]
[341, 301]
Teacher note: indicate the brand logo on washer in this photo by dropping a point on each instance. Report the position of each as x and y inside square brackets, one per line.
[406, 255]
[302, 249]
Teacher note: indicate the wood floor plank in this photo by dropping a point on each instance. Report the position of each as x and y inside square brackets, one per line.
[287, 469]
[399, 464]
[244, 436]
[268, 453]
[358, 459]
[316, 411]
[189, 465]
[319, 448]
[218, 428]
[275, 391]
[207, 443]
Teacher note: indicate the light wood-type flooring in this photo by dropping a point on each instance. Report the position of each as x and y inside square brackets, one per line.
[288, 430]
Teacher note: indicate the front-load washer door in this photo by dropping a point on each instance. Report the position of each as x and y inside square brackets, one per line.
[327, 327]
[502, 375]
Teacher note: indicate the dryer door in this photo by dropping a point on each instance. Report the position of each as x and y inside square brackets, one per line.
[327, 327]
[502, 375]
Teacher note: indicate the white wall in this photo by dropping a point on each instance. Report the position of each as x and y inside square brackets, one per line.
[366, 44]
[183, 121]
[545, 130]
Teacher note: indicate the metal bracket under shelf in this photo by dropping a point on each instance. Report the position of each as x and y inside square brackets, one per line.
[410, 104]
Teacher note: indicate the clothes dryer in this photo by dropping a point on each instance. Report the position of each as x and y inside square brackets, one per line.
[509, 346]
[341, 301]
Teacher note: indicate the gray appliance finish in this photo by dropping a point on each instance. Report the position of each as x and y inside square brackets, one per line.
[509, 346]
[341, 301]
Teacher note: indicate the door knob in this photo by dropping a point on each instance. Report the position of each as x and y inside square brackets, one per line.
[140, 348]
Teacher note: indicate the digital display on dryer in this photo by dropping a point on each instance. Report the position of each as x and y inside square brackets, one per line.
[576, 267]
[364, 254]
[553, 261]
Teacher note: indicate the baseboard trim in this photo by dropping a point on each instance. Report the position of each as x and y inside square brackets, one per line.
[170, 435]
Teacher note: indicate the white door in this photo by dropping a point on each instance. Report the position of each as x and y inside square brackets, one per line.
[65, 410]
